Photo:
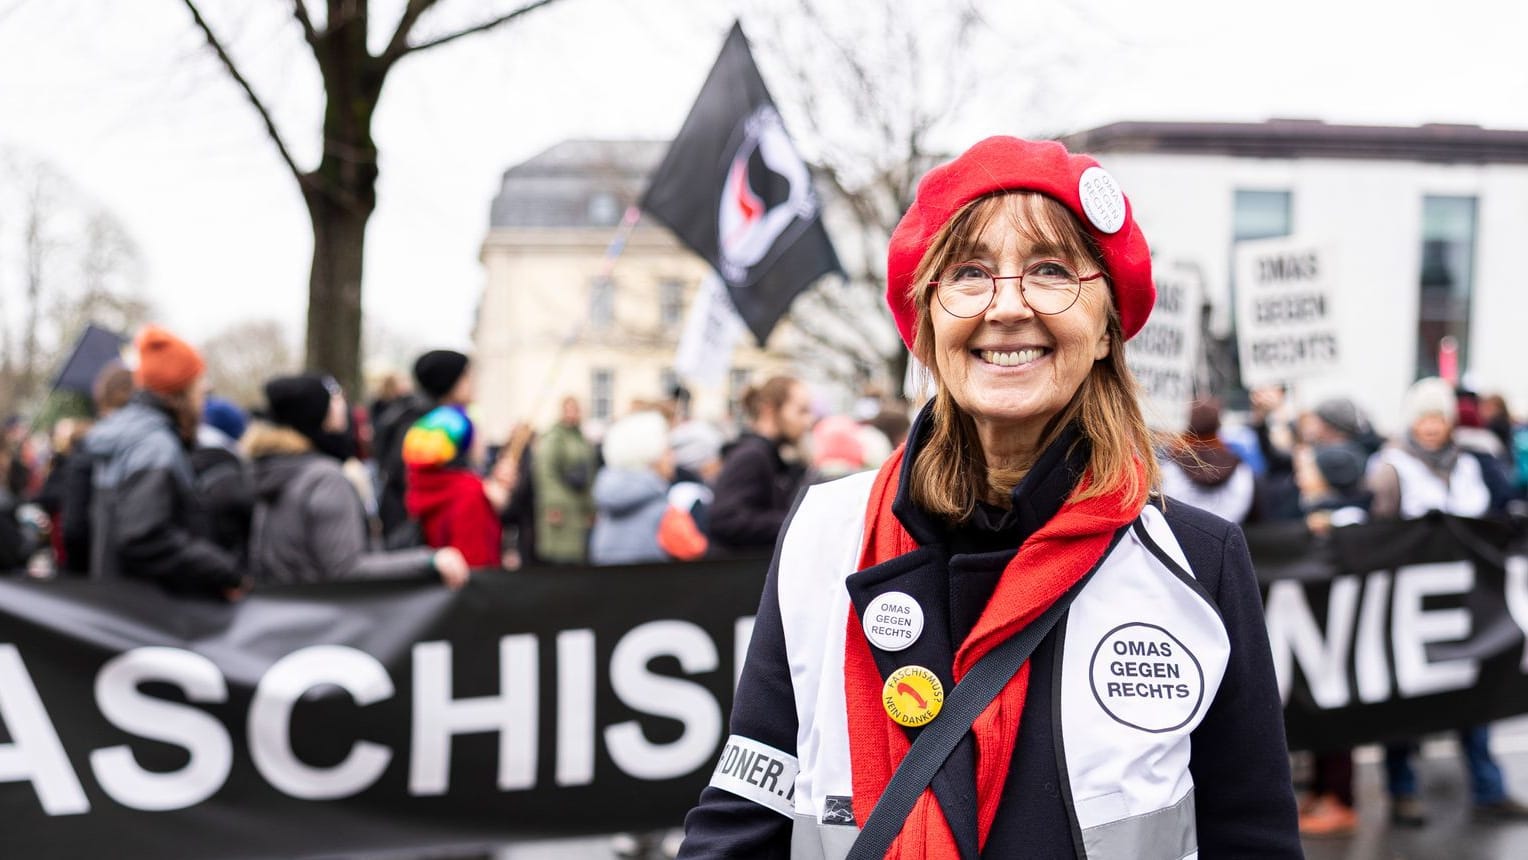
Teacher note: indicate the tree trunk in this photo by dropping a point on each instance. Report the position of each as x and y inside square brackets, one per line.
[341, 195]
[334, 290]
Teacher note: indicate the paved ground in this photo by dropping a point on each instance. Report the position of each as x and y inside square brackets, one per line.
[1449, 835]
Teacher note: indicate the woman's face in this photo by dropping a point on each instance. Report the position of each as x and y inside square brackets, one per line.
[1009, 368]
[1432, 431]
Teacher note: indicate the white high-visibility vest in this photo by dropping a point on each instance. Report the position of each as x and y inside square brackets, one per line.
[1463, 494]
[1143, 653]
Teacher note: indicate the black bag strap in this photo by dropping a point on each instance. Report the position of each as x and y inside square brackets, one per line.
[961, 708]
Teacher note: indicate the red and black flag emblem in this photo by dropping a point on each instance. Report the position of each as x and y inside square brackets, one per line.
[734, 189]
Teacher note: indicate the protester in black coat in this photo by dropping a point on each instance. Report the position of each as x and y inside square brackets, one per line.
[757, 483]
[112, 390]
[146, 518]
[16, 543]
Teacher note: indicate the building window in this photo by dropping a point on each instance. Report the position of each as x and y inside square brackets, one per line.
[601, 303]
[1448, 276]
[602, 394]
[604, 209]
[670, 302]
[1262, 215]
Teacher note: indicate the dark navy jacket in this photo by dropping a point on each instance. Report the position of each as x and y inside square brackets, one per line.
[1244, 799]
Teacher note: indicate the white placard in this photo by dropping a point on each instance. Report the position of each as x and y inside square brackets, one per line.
[710, 333]
[1164, 355]
[1286, 318]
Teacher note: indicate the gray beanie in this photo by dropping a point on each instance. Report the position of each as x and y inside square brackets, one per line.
[695, 444]
[1342, 415]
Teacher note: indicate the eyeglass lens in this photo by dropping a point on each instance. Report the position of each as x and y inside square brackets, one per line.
[1049, 287]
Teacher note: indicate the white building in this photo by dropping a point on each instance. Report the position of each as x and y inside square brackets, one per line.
[1426, 223]
[558, 318]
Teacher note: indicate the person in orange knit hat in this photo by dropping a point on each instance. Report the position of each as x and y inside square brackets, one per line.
[1003, 643]
[146, 521]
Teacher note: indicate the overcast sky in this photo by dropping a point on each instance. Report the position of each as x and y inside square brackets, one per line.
[121, 96]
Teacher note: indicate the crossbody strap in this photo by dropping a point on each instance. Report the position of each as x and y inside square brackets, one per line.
[961, 708]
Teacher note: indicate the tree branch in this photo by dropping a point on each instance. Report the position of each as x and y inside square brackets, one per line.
[397, 46]
[300, 12]
[238, 77]
[476, 28]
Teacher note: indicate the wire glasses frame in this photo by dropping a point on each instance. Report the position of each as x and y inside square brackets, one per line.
[1049, 287]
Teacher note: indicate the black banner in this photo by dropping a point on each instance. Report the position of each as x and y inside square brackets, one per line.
[1392, 630]
[312, 720]
[357, 717]
[733, 188]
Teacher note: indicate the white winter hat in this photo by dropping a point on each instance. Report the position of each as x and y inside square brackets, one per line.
[1426, 396]
[637, 441]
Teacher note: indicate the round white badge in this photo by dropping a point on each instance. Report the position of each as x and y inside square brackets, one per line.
[893, 621]
[1146, 678]
[1102, 199]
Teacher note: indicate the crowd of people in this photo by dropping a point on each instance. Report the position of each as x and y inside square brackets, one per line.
[1455, 452]
[169, 483]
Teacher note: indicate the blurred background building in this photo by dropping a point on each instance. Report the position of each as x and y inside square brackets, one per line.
[552, 322]
[1425, 222]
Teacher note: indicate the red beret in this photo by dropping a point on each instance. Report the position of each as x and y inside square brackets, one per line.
[1010, 164]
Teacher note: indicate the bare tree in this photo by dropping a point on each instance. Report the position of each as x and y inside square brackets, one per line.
[38, 250]
[75, 264]
[879, 89]
[340, 190]
[243, 356]
[108, 270]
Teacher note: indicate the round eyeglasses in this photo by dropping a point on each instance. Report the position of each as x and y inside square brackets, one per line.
[1049, 287]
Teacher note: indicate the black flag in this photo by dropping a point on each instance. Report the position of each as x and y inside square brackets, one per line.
[95, 349]
[734, 189]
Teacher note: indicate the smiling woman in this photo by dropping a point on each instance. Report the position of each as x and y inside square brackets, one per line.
[1009, 373]
[1023, 496]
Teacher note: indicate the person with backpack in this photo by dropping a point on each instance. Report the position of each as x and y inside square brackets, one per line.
[147, 519]
[309, 522]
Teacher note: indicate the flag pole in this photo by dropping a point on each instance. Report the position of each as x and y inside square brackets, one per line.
[613, 252]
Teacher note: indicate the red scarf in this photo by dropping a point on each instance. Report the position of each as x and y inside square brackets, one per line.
[1052, 560]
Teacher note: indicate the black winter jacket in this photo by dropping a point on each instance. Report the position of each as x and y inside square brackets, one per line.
[146, 520]
[753, 492]
[1244, 800]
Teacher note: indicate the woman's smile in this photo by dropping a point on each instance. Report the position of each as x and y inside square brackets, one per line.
[1021, 358]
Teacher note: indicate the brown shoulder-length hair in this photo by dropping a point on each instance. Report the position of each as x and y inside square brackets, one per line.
[950, 473]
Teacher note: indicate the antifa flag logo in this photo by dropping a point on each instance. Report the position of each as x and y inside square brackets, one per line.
[767, 192]
[733, 188]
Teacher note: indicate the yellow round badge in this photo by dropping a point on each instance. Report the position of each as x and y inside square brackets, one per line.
[912, 696]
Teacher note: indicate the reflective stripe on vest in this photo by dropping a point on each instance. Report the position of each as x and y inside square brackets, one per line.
[1143, 625]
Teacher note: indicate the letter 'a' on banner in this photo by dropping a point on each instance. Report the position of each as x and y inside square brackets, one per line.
[733, 188]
